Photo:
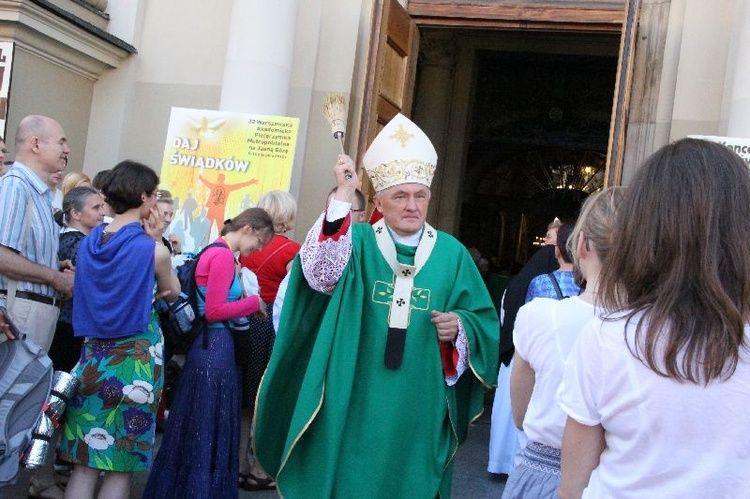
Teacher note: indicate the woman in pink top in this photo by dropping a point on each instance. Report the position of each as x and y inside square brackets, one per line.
[199, 452]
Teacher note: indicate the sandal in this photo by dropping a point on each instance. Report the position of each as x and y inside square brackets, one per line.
[250, 482]
[62, 474]
[38, 490]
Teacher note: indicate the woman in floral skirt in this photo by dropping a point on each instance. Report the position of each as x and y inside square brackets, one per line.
[111, 420]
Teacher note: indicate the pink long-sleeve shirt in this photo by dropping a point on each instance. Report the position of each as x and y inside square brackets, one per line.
[217, 271]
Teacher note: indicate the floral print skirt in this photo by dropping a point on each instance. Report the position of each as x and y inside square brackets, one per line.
[111, 421]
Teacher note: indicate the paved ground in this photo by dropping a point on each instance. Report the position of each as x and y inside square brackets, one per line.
[470, 477]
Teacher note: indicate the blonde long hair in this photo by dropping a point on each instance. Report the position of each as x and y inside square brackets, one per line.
[596, 221]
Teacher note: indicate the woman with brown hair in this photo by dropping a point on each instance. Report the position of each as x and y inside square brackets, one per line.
[657, 391]
[110, 423]
[199, 452]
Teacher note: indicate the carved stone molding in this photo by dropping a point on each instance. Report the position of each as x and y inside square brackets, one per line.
[100, 5]
[89, 11]
[60, 38]
[438, 50]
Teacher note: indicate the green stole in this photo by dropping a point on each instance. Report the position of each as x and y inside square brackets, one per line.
[332, 419]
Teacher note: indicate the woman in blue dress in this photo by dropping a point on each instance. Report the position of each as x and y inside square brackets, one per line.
[111, 420]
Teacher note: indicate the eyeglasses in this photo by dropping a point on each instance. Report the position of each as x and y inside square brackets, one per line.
[357, 211]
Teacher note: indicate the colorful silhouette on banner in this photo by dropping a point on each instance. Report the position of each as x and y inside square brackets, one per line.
[217, 199]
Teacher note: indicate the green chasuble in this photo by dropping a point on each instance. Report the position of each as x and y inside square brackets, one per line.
[332, 420]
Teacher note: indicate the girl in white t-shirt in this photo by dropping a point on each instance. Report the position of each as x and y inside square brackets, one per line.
[657, 392]
[545, 330]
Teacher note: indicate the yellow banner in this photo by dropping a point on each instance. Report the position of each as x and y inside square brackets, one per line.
[217, 164]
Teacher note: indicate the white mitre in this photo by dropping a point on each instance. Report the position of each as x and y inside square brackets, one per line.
[400, 154]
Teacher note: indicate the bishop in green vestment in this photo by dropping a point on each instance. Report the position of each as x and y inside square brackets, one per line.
[386, 344]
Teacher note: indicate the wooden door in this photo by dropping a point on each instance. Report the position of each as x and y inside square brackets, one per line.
[623, 85]
[395, 44]
[390, 75]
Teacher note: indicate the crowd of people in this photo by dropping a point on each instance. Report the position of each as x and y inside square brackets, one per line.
[352, 364]
[632, 387]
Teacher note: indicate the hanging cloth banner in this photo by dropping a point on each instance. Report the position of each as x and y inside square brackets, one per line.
[217, 164]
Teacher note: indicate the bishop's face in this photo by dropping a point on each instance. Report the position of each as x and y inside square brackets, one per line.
[404, 207]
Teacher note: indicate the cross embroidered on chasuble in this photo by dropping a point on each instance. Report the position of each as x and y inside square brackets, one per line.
[382, 293]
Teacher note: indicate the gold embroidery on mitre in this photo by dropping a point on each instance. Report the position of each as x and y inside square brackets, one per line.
[401, 171]
[401, 135]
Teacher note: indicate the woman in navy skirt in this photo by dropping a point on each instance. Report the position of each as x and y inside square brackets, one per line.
[199, 452]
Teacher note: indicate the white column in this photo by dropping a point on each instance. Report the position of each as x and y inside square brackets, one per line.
[259, 56]
[738, 112]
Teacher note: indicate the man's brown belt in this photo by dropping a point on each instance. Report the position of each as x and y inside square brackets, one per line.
[27, 295]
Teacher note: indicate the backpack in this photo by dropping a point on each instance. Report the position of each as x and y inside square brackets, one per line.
[180, 322]
[25, 382]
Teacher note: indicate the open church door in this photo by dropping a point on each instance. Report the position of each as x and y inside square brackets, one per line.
[626, 66]
[391, 69]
